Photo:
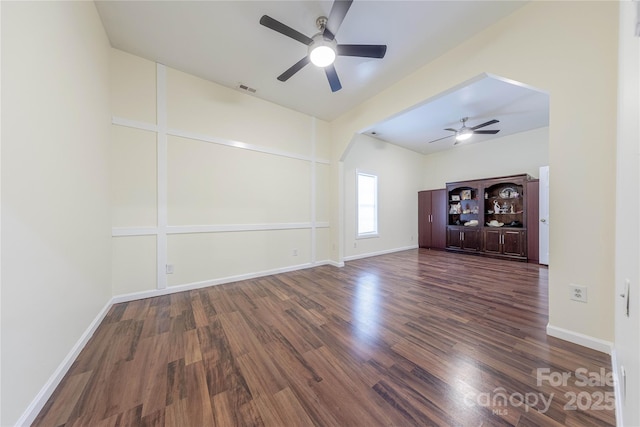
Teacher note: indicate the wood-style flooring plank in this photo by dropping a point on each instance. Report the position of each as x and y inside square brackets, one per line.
[414, 338]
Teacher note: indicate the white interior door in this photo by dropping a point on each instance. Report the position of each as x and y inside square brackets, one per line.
[544, 216]
[627, 280]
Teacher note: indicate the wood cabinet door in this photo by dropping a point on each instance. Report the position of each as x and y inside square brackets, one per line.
[454, 237]
[471, 239]
[439, 218]
[492, 241]
[513, 243]
[424, 219]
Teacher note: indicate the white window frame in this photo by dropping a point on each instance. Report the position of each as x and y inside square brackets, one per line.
[369, 234]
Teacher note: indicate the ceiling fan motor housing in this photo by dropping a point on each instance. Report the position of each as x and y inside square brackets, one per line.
[321, 23]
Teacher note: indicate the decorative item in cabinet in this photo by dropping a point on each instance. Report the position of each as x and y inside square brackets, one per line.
[463, 206]
[504, 204]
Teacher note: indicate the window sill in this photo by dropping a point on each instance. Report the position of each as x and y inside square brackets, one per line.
[367, 236]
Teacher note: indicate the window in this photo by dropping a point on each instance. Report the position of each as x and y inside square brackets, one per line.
[367, 190]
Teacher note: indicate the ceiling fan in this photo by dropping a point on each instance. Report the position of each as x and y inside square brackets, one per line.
[323, 46]
[465, 132]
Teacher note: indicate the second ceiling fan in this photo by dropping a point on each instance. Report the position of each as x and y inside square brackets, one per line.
[465, 132]
[323, 46]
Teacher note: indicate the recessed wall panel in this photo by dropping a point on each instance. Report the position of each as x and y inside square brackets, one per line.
[203, 107]
[134, 264]
[323, 242]
[323, 187]
[133, 177]
[202, 257]
[213, 184]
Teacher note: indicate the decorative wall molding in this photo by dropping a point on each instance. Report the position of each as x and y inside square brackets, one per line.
[242, 145]
[162, 174]
[134, 124]
[215, 228]
[133, 231]
[226, 228]
[314, 192]
[163, 229]
[119, 121]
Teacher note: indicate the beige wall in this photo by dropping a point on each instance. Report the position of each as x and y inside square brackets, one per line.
[399, 173]
[568, 49]
[55, 196]
[238, 186]
[514, 154]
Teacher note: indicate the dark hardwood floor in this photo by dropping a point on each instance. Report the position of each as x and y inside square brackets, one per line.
[412, 338]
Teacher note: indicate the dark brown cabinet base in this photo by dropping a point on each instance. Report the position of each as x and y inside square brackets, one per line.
[505, 242]
[466, 239]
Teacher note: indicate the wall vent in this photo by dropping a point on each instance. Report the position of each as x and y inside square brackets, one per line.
[245, 88]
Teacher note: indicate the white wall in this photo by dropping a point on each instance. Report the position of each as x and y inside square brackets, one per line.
[55, 197]
[217, 183]
[569, 50]
[399, 174]
[522, 152]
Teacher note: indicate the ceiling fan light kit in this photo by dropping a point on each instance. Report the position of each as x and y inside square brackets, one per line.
[464, 133]
[323, 47]
[322, 52]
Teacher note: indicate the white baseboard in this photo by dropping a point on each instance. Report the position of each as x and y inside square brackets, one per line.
[34, 408]
[335, 263]
[599, 345]
[205, 283]
[387, 251]
[580, 339]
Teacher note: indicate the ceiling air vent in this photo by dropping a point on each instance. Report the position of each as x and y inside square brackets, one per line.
[245, 88]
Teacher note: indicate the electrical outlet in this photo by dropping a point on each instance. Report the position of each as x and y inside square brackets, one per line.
[355, 245]
[578, 293]
[294, 252]
[169, 268]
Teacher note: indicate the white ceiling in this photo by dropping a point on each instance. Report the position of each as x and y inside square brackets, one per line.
[222, 41]
[518, 107]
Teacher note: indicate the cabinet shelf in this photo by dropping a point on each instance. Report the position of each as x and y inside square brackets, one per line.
[508, 213]
[502, 198]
